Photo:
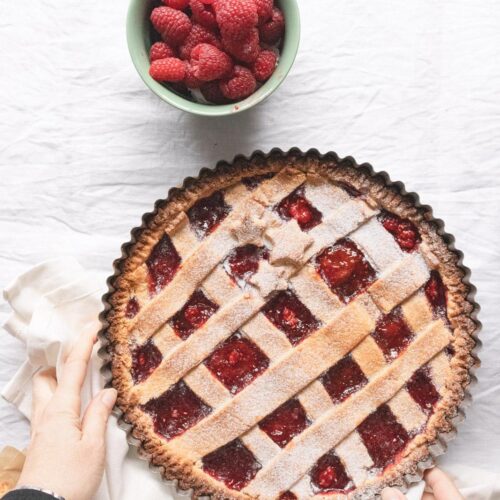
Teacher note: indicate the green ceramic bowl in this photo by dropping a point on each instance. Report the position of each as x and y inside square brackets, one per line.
[139, 42]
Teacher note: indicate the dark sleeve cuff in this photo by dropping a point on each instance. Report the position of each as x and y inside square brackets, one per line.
[26, 494]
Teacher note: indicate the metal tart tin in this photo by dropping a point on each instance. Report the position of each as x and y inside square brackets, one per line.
[437, 448]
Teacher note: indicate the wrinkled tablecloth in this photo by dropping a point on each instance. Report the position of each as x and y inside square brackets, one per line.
[411, 87]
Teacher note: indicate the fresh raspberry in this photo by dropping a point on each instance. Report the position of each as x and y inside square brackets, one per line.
[176, 4]
[264, 65]
[236, 17]
[264, 9]
[240, 85]
[212, 93]
[190, 79]
[160, 50]
[203, 13]
[199, 34]
[246, 49]
[272, 30]
[169, 69]
[173, 25]
[209, 63]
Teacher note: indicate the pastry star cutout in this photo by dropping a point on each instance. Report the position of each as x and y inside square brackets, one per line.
[250, 229]
[270, 278]
[289, 244]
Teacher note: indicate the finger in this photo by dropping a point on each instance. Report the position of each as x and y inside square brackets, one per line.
[44, 386]
[97, 414]
[442, 486]
[392, 494]
[67, 395]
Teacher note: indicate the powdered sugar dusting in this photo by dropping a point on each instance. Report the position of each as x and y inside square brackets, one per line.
[407, 411]
[315, 294]
[355, 457]
[377, 244]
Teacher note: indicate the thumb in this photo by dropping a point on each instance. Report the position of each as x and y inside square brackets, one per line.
[392, 494]
[97, 414]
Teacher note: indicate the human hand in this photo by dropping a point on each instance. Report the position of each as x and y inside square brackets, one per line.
[66, 454]
[441, 486]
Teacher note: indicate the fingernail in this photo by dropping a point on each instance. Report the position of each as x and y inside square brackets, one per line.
[392, 494]
[108, 397]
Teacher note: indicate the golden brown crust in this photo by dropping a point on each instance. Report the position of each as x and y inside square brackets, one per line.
[391, 197]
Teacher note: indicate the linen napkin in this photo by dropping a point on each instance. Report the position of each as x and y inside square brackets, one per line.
[58, 300]
[53, 303]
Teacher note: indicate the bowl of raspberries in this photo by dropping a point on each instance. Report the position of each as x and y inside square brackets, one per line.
[213, 57]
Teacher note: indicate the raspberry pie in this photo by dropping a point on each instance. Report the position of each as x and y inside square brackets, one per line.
[289, 326]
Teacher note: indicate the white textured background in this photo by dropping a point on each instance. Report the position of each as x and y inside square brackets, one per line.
[412, 87]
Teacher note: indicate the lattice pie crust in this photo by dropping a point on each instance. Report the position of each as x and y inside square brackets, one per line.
[349, 381]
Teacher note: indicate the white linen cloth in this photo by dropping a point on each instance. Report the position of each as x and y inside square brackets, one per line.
[55, 302]
[412, 87]
[52, 304]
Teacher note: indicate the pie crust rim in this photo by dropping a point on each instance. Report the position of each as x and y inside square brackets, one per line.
[391, 196]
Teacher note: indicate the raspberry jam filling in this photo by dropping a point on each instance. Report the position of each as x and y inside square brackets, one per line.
[176, 410]
[243, 262]
[285, 422]
[435, 292]
[383, 436]
[145, 358]
[422, 390]
[404, 231]
[329, 475]
[233, 464]
[193, 315]
[296, 206]
[345, 269]
[206, 214]
[287, 313]
[392, 334]
[237, 362]
[343, 379]
[287, 495]
[253, 182]
[132, 308]
[162, 264]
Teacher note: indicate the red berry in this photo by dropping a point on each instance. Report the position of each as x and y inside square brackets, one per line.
[236, 17]
[212, 93]
[326, 477]
[169, 69]
[173, 25]
[160, 50]
[199, 34]
[301, 211]
[264, 65]
[203, 13]
[289, 317]
[404, 231]
[209, 63]
[177, 4]
[196, 315]
[264, 9]
[190, 79]
[246, 49]
[272, 30]
[240, 85]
